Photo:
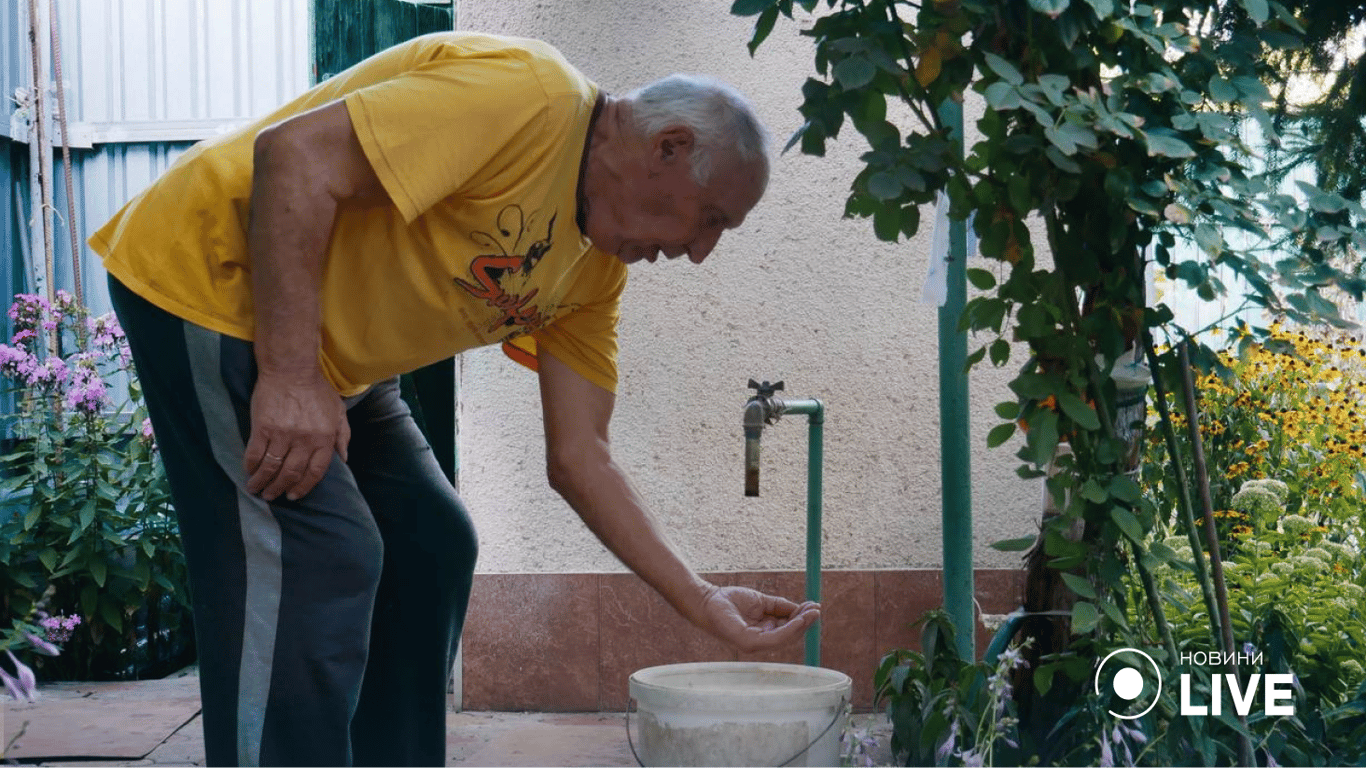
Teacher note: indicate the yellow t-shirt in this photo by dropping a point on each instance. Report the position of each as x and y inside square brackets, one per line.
[478, 141]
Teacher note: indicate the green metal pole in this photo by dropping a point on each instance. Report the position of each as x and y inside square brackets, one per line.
[815, 456]
[955, 456]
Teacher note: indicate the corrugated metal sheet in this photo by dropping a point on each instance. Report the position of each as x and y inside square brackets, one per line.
[138, 62]
[12, 75]
[142, 60]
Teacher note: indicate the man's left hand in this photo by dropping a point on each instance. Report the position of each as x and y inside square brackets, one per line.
[753, 621]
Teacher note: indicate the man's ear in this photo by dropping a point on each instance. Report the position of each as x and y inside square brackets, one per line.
[672, 145]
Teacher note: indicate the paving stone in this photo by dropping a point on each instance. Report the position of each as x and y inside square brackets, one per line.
[184, 747]
[530, 741]
[98, 720]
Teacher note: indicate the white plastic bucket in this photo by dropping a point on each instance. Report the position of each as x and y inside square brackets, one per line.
[740, 713]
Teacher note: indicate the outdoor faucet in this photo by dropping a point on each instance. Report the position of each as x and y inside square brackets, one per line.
[763, 408]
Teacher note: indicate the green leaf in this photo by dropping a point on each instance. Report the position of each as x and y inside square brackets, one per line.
[87, 515]
[1091, 490]
[70, 557]
[1168, 146]
[751, 7]
[1014, 545]
[1079, 585]
[1104, 8]
[1050, 8]
[1078, 411]
[884, 186]
[1222, 90]
[1044, 436]
[1004, 69]
[48, 557]
[1084, 617]
[762, 28]
[1124, 488]
[1062, 161]
[1127, 523]
[999, 352]
[1002, 96]
[1116, 615]
[1060, 139]
[111, 615]
[981, 279]
[142, 572]
[1000, 433]
[99, 571]
[1209, 239]
[854, 72]
[1259, 10]
[1043, 677]
[887, 223]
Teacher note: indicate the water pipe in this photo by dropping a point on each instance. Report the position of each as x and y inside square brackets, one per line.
[764, 408]
[955, 454]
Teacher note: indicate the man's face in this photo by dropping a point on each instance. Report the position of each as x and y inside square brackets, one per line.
[662, 210]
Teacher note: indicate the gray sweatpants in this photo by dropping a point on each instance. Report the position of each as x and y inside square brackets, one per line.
[326, 627]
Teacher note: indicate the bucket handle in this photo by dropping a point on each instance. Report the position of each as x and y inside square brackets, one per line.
[804, 750]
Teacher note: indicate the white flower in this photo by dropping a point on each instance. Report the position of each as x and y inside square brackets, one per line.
[1107, 758]
[971, 757]
[1320, 554]
[1012, 658]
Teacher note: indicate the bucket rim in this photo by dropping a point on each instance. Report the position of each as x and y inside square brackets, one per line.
[649, 688]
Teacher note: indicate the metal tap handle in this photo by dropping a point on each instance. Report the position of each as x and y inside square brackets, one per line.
[765, 389]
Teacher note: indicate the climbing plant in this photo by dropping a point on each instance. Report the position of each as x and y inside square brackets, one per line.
[1112, 140]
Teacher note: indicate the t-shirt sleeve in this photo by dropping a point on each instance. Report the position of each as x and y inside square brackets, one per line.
[430, 130]
[584, 339]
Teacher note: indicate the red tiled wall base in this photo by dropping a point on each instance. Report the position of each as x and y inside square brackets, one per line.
[568, 642]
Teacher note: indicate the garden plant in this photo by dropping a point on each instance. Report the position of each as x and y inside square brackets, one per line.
[1114, 134]
[86, 518]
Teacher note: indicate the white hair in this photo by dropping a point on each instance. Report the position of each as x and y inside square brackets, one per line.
[721, 119]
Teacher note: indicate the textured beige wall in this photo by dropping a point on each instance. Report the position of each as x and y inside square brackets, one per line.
[796, 294]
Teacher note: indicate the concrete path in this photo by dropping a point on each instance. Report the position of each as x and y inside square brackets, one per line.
[156, 722]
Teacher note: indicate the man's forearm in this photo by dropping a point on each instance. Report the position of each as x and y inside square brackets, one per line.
[291, 220]
[599, 491]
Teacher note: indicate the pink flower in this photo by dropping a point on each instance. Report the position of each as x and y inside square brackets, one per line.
[147, 429]
[88, 391]
[59, 628]
[41, 646]
[24, 685]
[12, 360]
[53, 371]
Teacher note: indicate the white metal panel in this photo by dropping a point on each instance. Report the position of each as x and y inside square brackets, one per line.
[12, 61]
[184, 60]
[144, 75]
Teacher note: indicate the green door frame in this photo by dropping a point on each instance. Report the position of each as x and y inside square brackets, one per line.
[345, 32]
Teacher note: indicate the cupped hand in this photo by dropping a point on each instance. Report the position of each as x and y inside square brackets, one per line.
[296, 427]
[753, 621]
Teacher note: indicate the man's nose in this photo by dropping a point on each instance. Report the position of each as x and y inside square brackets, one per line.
[702, 247]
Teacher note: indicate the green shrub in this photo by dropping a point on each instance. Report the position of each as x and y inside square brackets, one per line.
[86, 513]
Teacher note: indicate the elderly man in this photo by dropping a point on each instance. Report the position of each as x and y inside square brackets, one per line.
[455, 191]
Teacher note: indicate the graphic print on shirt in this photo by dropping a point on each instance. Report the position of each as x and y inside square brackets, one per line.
[501, 276]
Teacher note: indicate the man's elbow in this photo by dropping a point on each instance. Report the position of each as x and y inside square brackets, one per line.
[570, 471]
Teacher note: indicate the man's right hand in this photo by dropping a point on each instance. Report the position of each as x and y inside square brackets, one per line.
[296, 427]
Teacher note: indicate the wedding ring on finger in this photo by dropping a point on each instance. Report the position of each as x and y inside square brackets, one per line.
[273, 457]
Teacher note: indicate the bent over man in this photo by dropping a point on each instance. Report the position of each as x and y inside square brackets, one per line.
[454, 191]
